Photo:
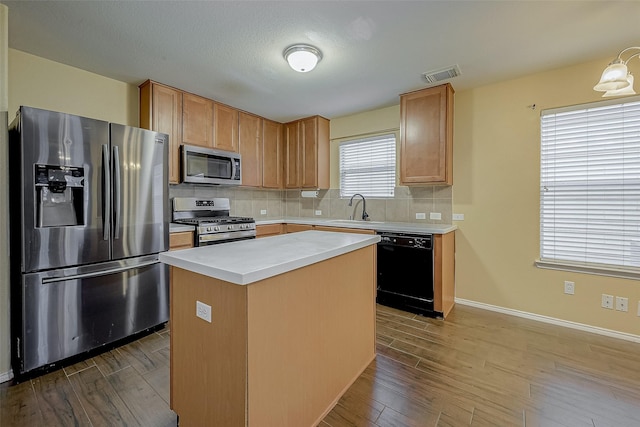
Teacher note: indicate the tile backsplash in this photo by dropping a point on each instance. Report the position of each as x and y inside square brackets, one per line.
[403, 207]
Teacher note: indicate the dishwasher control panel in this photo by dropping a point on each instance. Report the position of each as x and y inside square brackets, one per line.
[406, 240]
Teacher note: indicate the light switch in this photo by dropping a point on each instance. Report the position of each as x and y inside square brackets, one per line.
[435, 215]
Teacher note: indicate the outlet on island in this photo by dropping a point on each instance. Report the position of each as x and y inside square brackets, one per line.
[203, 311]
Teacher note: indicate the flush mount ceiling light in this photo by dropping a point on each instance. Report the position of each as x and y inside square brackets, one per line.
[302, 57]
[616, 79]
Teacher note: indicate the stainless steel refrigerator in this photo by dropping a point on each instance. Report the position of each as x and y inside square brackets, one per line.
[89, 214]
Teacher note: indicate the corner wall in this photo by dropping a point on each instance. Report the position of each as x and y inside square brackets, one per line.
[496, 186]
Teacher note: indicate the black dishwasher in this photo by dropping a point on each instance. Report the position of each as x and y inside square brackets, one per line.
[405, 272]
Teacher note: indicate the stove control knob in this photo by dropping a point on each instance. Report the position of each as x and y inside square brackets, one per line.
[208, 228]
[216, 228]
[242, 226]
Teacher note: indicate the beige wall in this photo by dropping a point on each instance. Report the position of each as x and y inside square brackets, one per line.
[38, 82]
[496, 186]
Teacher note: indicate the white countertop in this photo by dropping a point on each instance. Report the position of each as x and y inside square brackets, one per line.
[407, 227]
[248, 261]
[176, 228]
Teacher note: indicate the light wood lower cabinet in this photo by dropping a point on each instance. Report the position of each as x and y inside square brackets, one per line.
[343, 230]
[265, 230]
[294, 228]
[444, 253]
[180, 240]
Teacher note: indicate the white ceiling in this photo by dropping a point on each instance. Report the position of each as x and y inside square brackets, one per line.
[231, 51]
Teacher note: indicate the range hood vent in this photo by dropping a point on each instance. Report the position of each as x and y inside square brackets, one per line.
[442, 74]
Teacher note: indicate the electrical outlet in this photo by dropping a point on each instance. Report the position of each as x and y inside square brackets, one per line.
[458, 217]
[203, 311]
[318, 212]
[435, 215]
[607, 301]
[569, 287]
[263, 211]
[622, 304]
[421, 215]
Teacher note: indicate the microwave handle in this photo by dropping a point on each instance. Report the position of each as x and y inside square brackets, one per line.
[235, 170]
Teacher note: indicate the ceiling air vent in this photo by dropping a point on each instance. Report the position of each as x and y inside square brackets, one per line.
[442, 74]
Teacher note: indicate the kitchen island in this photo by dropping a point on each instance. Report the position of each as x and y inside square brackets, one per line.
[289, 324]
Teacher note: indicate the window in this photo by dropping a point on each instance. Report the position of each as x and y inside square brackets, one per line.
[368, 166]
[590, 187]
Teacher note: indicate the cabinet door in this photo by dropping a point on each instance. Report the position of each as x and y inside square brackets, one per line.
[269, 230]
[309, 152]
[197, 120]
[291, 155]
[314, 152]
[250, 145]
[161, 111]
[272, 154]
[426, 136]
[225, 127]
[294, 228]
[180, 240]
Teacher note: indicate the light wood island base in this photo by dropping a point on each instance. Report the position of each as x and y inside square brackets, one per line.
[278, 352]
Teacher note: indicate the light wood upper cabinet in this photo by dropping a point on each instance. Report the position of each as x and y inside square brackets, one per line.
[250, 145]
[161, 111]
[307, 153]
[197, 120]
[426, 136]
[225, 127]
[291, 151]
[271, 154]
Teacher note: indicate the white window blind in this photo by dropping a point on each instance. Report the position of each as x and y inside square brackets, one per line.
[368, 166]
[590, 184]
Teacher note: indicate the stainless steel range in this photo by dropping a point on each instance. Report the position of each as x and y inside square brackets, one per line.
[212, 221]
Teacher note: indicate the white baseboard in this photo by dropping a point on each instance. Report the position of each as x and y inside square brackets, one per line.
[6, 376]
[552, 320]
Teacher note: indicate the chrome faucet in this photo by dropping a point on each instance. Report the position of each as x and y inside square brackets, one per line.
[365, 215]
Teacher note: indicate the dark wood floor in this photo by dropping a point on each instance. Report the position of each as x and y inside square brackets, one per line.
[476, 368]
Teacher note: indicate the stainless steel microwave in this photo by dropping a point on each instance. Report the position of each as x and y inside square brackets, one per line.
[202, 165]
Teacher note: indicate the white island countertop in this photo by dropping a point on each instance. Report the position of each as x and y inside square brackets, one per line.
[249, 261]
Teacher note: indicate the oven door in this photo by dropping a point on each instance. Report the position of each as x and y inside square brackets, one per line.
[207, 166]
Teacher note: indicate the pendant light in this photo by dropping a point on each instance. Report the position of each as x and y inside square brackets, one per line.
[616, 79]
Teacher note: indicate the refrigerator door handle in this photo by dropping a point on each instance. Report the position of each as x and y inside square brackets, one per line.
[106, 193]
[97, 273]
[116, 192]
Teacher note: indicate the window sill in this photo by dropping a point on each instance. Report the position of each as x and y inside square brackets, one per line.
[600, 270]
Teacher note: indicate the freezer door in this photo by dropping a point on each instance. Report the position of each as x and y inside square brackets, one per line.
[140, 191]
[57, 179]
[68, 312]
